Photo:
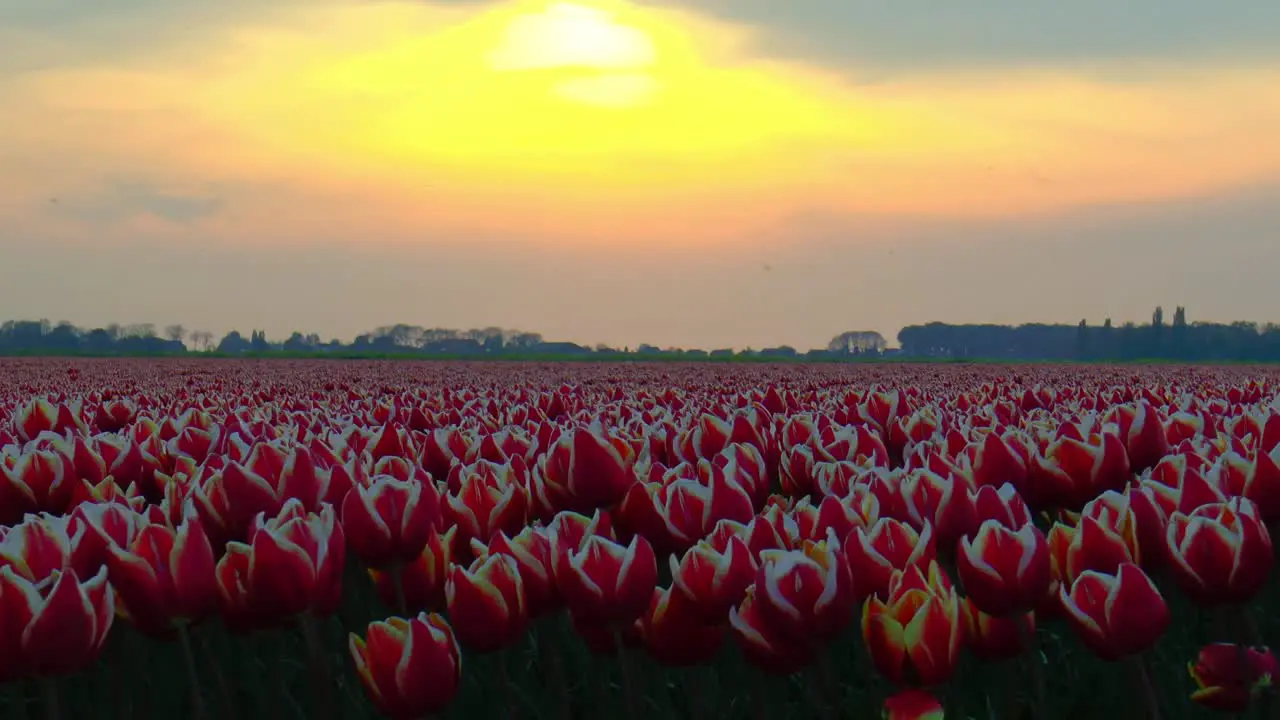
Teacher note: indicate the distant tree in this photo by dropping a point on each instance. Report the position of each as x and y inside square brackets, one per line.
[175, 333]
[233, 343]
[202, 340]
[258, 341]
[857, 342]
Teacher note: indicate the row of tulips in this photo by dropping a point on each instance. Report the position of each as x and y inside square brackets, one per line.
[719, 556]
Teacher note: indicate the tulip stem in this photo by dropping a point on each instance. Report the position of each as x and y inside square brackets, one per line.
[1037, 671]
[18, 701]
[550, 653]
[624, 662]
[508, 698]
[52, 703]
[322, 683]
[1139, 663]
[193, 675]
[397, 581]
[827, 694]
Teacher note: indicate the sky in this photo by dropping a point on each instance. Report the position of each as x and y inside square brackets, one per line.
[695, 173]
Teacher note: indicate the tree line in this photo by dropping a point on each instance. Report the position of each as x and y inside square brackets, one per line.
[1177, 339]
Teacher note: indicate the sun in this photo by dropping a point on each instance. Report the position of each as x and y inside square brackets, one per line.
[606, 59]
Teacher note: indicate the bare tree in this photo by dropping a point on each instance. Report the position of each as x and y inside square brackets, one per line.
[202, 340]
[176, 333]
[140, 330]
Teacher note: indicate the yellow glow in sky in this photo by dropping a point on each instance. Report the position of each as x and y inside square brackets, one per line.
[571, 35]
[608, 117]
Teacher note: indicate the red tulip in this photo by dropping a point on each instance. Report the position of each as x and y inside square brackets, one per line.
[912, 705]
[914, 636]
[1143, 433]
[54, 626]
[606, 583]
[1091, 546]
[889, 545]
[999, 460]
[35, 480]
[1220, 553]
[422, 580]
[165, 577]
[1257, 480]
[1116, 615]
[764, 645]
[1229, 678]
[1002, 504]
[857, 508]
[293, 564]
[409, 668]
[1005, 572]
[806, 593]
[943, 503]
[391, 520]
[489, 498]
[587, 468]
[675, 633]
[531, 549]
[1073, 470]
[712, 580]
[486, 603]
[996, 638]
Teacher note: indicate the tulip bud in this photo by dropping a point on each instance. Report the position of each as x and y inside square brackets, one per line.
[486, 603]
[606, 583]
[1228, 677]
[912, 705]
[916, 634]
[390, 520]
[1116, 615]
[1005, 572]
[409, 668]
[1220, 553]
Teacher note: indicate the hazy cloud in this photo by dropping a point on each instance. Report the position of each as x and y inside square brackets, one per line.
[927, 33]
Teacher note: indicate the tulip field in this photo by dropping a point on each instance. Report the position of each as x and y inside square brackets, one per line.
[212, 539]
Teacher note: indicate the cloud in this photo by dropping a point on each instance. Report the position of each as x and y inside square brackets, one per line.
[874, 36]
[387, 120]
[830, 273]
[125, 200]
[865, 38]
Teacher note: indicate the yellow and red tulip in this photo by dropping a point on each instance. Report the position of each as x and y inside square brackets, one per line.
[409, 668]
[1229, 678]
[915, 635]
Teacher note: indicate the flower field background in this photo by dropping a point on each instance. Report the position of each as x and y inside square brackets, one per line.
[277, 539]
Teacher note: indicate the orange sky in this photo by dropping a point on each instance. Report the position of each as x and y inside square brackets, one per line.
[603, 127]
